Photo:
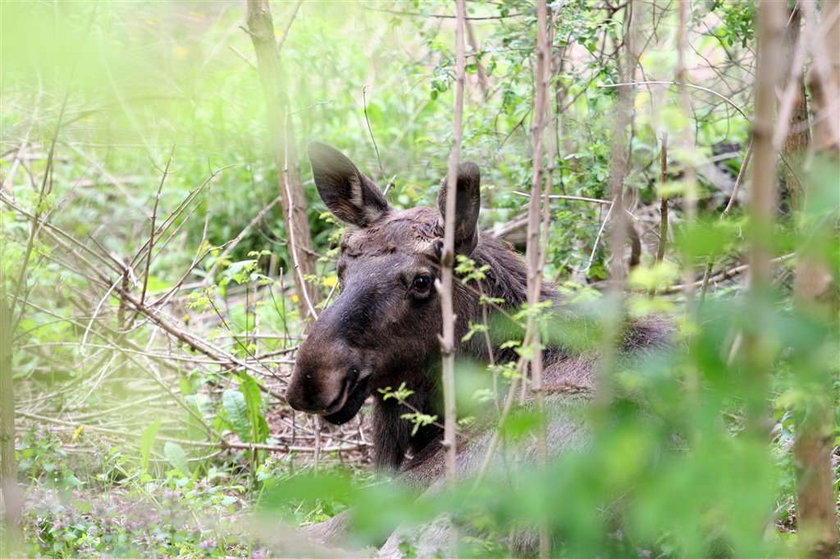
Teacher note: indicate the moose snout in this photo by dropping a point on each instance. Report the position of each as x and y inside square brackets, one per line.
[322, 379]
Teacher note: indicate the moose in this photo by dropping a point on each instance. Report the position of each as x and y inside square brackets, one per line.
[383, 328]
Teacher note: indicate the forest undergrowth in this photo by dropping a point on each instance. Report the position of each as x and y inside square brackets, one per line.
[155, 286]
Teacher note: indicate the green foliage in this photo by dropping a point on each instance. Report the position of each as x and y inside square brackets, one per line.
[132, 417]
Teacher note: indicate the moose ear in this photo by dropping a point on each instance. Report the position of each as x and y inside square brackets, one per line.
[349, 195]
[467, 206]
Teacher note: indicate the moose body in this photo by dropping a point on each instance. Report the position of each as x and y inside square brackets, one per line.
[383, 329]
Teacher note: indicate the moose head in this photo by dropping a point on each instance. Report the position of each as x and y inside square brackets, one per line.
[383, 327]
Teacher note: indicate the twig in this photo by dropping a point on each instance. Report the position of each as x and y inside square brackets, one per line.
[445, 286]
[682, 84]
[479, 67]
[304, 290]
[538, 215]
[597, 239]
[232, 244]
[223, 444]
[19, 287]
[152, 228]
[663, 200]
[241, 55]
[288, 26]
[626, 60]
[734, 196]
[570, 198]
[370, 132]
[261, 32]
[442, 16]
[724, 274]
[687, 140]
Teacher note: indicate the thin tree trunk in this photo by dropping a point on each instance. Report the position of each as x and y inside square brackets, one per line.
[663, 200]
[762, 207]
[448, 257]
[479, 67]
[816, 498]
[797, 140]
[293, 200]
[619, 166]
[825, 78]
[534, 250]
[10, 542]
[689, 176]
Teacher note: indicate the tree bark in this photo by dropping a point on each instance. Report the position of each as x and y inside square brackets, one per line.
[762, 206]
[816, 498]
[536, 246]
[689, 180]
[10, 542]
[292, 197]
[798, 138]
[448, 257]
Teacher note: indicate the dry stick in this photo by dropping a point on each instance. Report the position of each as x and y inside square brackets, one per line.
[370, 131]
[8, 180]
[285, 34]
[813, 446]
[732, 198]
[569, 198]
[171, 219]
[36, 227]
[824, 80]
[742, 172]
[261, 31]
[479, 67]
[724, 98]
[788, 98]
[626, 61]
[663, 200]
[598, 239]
[229, 246]
[687, 139]
[723, 275]
[445, 285]
[299, 273]
[771, 20]
[126, 268]
[123, 351]
[152, 229]
[533, 251]
[196, 343]
[223, 444]
[443, 16]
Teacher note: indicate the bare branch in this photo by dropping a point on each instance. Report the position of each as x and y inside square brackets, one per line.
[445, 285]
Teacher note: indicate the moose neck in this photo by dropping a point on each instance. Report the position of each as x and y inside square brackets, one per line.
[505, 280]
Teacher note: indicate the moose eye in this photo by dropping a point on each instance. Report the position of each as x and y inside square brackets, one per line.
[422, 283]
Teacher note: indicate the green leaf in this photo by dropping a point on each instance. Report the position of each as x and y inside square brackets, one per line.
[147, 441]
[253, 401]
[176, 457]
[236, 409]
